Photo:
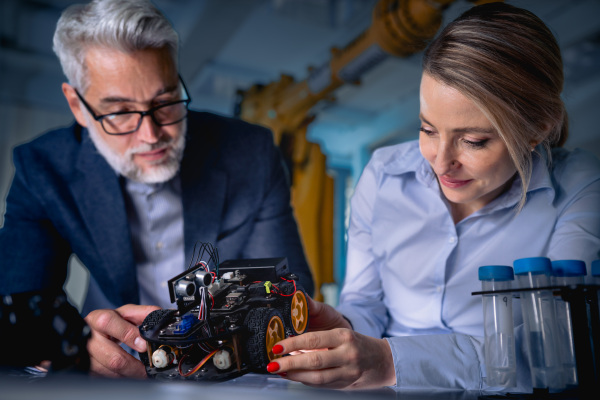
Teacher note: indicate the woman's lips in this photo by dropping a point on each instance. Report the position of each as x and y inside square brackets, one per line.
[453, 183]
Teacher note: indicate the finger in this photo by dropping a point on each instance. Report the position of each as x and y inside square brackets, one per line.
[135, 372]
[324, 317]
[316, 308]
[108, 359]
[323, 369]
[309, 361]
[313, 306]
[315, 340]
[333, 369]
[135, 313]
[96, 368]
[111, 324]
[333, 378]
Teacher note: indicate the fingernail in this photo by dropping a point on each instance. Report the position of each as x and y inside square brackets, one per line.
[277, 349]
[283, 374]
[273, 367]
[140, 344]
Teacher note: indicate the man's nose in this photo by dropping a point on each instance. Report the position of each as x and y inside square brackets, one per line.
[148, 131]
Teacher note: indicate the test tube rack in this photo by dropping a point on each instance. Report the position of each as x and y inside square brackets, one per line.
[585, 321]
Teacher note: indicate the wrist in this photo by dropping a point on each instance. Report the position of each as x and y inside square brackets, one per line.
[389, 370]
[348, 322]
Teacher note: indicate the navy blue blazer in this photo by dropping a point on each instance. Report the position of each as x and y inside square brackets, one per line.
[66, 199]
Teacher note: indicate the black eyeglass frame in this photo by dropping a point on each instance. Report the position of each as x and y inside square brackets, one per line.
[142, 114]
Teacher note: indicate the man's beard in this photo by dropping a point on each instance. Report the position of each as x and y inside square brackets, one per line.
[165, 168]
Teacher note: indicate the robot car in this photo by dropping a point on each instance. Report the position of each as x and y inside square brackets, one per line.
[228, 318]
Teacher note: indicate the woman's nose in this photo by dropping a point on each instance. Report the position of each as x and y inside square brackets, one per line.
[445, 159]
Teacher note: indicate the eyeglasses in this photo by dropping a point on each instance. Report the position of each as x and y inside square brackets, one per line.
[126, 122]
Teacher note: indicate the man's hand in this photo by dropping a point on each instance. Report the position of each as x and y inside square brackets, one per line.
[109, 329]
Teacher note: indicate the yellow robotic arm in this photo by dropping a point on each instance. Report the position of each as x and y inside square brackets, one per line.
[399, 28]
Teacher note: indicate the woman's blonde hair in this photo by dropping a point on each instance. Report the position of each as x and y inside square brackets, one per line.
[507, 61]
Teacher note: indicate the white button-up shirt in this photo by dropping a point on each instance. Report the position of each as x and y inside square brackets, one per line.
[411, 270]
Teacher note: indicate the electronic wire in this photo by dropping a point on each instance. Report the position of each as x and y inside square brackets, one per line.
[197, 367]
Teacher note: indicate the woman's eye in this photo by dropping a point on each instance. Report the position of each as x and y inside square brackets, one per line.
[476, 144]
[426, 131]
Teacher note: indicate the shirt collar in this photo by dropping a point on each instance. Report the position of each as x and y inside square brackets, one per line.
[407, 158]
[141, 188]
[540, 176]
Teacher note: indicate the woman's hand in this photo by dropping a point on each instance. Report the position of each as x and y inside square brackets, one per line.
[333, 356]
[323, 317]
[109, 329]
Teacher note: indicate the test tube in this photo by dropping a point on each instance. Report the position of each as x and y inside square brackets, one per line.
[567, 273]
[595, 279]
[540, 322]
[499, 347]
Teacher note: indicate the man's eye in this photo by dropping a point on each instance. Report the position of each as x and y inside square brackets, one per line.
[119, 111]
[119, 117]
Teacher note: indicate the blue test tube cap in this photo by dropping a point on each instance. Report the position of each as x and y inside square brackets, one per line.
[596, 268]
[496, 272]
[568, 268]
[536, 265]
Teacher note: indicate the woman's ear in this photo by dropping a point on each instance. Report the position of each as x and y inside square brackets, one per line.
[533, 144]
[545, 131]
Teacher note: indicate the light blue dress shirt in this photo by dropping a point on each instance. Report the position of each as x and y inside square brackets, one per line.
[411, 270]
[155, 215]
[155, 218]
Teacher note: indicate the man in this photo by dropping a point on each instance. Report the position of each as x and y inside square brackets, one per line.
[137, 181]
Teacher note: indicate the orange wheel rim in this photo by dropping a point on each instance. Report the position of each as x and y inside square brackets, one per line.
[275, 334]
[299, 312]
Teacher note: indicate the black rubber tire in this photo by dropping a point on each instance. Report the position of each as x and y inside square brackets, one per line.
[154, 318]
[287, 313]
[257, 322]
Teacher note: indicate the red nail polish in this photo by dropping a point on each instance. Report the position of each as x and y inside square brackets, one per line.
[277, 349]
[283, 374]
[273, 367]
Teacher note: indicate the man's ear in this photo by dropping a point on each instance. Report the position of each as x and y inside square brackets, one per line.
[74, 104]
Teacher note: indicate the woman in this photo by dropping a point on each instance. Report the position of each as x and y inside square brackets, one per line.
[486, 183]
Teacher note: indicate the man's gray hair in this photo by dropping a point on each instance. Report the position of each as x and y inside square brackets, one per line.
[124, 25]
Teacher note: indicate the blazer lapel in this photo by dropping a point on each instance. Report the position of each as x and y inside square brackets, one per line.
[98, 194]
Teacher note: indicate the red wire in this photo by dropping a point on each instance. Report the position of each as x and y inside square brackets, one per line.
[287, 295]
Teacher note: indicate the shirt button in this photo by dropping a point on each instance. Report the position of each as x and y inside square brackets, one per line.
[438, 289]
[163, 284]
[159, 245]
[452, 239]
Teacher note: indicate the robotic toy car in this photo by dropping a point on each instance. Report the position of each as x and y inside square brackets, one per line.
[232, 313]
